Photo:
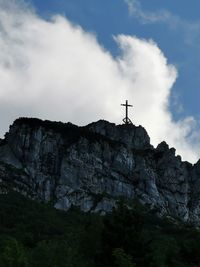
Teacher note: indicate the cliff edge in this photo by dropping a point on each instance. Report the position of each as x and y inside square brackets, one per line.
[93, 166]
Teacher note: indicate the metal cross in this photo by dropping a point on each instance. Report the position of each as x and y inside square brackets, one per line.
[126, 120]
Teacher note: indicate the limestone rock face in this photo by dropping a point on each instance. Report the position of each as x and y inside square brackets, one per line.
[130, 135]
[93, 166]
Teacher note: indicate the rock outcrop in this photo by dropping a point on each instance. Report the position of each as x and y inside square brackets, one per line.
[92, 166]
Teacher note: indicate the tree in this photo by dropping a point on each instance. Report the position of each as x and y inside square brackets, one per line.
[122, 259]
[12, 254]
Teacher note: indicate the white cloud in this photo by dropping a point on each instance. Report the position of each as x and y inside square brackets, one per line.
[190, 30]
[136, 10]
[55, 70]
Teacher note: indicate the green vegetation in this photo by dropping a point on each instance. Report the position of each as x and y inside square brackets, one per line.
[33, 234]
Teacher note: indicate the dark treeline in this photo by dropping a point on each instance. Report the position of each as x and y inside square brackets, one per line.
[33, 234]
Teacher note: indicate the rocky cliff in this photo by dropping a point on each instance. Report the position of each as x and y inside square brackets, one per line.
[93, 166]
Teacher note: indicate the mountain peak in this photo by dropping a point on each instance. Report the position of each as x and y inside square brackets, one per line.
[95, 165]
[133, 136]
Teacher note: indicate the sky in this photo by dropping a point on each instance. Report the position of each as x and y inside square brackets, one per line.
[78, 60]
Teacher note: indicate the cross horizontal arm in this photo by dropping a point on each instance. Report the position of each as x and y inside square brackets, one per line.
[126, 105]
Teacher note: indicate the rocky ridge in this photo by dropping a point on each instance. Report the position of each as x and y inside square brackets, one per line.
[93, 166]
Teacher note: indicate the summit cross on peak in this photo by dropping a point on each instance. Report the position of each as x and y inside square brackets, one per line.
[126, 120]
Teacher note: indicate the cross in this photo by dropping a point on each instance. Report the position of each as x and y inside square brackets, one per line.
[126, 120]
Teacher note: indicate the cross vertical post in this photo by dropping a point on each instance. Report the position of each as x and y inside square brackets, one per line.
[126, 120]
